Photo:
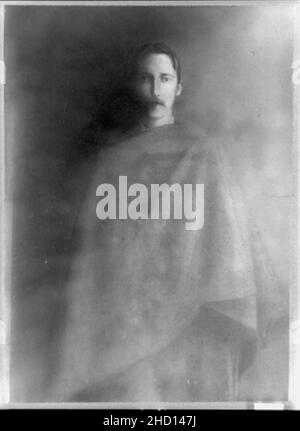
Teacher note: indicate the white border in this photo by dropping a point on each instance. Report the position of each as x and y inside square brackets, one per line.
[294, 365]
[5, 236]
[294, 351]
[150, 3]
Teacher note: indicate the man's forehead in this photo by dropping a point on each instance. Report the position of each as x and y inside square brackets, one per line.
[156, 62]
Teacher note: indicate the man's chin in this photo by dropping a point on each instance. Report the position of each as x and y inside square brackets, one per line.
[157, 113]
[156, 117]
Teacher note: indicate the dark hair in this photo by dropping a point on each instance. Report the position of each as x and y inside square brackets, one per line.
[159, 48]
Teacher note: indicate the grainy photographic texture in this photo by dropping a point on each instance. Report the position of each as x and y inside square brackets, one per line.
[139, 308]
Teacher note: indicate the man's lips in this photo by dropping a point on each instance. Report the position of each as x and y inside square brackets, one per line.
[156, 102]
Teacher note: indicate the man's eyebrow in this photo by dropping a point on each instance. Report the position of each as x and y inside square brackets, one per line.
[150, 74]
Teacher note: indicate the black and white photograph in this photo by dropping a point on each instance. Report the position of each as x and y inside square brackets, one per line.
[150, 202]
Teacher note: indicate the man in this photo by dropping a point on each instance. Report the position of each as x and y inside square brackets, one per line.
[159, 312]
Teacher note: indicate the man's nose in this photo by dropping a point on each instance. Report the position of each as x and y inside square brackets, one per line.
[156, 88]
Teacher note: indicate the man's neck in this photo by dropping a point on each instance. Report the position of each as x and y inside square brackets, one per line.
[150, 123]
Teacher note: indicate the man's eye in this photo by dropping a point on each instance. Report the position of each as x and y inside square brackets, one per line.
[165, 79]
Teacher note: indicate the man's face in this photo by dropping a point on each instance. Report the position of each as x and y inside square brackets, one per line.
[157, 86]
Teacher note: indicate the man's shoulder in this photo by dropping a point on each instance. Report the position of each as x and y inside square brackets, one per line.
[178, 136]
[198, 140]
[192, 130]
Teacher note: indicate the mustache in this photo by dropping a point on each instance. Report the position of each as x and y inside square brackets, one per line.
[155, 102]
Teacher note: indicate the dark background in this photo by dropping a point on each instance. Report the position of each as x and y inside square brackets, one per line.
[68, 70]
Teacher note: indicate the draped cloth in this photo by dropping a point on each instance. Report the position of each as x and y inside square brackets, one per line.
[157, 312]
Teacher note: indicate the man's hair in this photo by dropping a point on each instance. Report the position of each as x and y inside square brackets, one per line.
[159, 48]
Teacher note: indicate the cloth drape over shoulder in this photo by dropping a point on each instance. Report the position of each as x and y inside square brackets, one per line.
[137, 286]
